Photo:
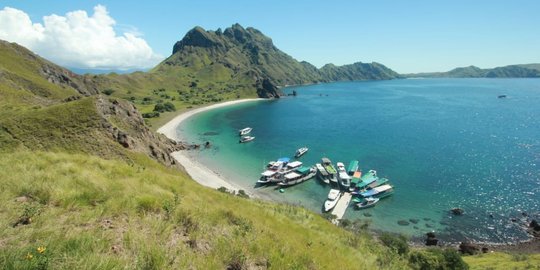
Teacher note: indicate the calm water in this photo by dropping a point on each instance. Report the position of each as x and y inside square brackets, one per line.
[443, 143]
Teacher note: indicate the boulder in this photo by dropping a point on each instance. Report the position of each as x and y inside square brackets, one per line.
[457, 211]
[431, 240]
[468, 248]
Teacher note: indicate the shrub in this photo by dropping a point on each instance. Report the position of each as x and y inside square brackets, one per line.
[242, 194]
[398, 243]
[107, 92]
[164, 107]
[150, 115]
[437, 259]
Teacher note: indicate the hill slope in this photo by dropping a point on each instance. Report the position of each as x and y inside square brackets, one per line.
[512, 71]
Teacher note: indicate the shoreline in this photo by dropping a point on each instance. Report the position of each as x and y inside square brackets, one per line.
[196, 170]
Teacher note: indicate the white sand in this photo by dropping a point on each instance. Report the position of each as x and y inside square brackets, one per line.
[196, 170]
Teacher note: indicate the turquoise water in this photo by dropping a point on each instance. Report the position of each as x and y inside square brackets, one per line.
[443, 143]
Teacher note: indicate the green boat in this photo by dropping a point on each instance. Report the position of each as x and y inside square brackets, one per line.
[378, 182]
[353, 166]
[367, 179]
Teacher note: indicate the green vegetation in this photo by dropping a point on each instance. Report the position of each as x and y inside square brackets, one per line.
[104, 214]
[512, 71]
[503, 261]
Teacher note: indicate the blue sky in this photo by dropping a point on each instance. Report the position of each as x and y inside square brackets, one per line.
[407, 36]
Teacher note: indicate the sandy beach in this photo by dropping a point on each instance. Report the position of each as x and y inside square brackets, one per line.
[196, 170]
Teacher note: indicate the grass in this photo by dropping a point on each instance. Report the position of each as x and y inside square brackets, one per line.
[503, 261]
[106, 214]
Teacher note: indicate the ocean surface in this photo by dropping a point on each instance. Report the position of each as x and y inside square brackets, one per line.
[442, 143]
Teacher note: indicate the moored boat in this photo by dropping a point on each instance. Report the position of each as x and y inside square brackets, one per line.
[301, 152]
[344, 178]
[379, 191]
[245, 139]
[245, 131]
[378, 182]
[367, 179]
[332, 173]
[332, 199]
[322, 173]
[266, 177]
[355, 179]
[353, 167]
[367, 203]
[298, 176]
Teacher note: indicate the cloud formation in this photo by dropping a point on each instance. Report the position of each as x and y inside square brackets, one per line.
[78, 40]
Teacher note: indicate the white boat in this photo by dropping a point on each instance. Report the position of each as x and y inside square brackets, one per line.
[341, 167]
[298, 176]
[322, 173]
[333, 198]
[327, 164]
[245, 131]
[300, 152]
[378, 191]
[367, 203]
[245, 139]
[344, 179]
[267, 176]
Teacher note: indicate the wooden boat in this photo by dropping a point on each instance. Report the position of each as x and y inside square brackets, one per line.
[322, 173]
[332, 173]
[298, 176]
[378, 191]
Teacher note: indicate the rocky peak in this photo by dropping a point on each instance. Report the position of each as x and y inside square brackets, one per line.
[197, 37]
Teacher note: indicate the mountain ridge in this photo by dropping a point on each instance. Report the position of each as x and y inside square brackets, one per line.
[509, 71]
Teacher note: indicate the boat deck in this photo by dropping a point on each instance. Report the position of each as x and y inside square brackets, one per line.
[341, 206]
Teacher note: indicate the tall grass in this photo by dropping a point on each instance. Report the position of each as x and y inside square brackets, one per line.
[107, 214]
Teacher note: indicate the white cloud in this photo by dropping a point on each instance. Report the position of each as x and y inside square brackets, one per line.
[78, 40]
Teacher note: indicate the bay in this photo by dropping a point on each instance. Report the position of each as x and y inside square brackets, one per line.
[442, 143]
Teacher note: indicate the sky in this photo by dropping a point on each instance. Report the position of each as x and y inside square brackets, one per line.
[407, 36]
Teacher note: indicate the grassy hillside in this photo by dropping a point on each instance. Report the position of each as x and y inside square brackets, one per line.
[503, 261]
[91, 213]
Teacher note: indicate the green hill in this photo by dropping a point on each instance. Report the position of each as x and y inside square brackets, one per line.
[213, 66]
[512, 71]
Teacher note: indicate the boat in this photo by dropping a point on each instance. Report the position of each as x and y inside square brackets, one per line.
[353, 167]
[378, 191]
[298, 176]
[332, 199]
[344, 178]
[367, 179]
[327, 164]
[266, 177]
[322, 173]
[367, 203]
[245, 131]
[278, 165]
[301, 152]
[376, 183]
[282, 167]
[245, 139]
[341, 167]
[355, 180]
[501, 96]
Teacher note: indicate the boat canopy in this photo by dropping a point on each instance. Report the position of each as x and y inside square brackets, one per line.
[344, 176]
[295, 164]
[268, 173]
[303, 170]
[376, 190]
[292, 175]
[353, 166]
[326, 160]
[332, 195]
[284, 159]
[321, 169]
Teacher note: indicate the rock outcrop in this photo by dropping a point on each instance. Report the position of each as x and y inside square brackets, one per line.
[126, 126]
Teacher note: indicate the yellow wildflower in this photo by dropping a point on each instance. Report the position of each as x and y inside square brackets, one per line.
[41, 249]
[29, 256]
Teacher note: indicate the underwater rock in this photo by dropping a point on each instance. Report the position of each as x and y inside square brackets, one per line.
[457, 211]
[414, 220]
[403, 223]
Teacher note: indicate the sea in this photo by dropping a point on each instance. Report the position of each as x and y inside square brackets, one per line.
[442, 143]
